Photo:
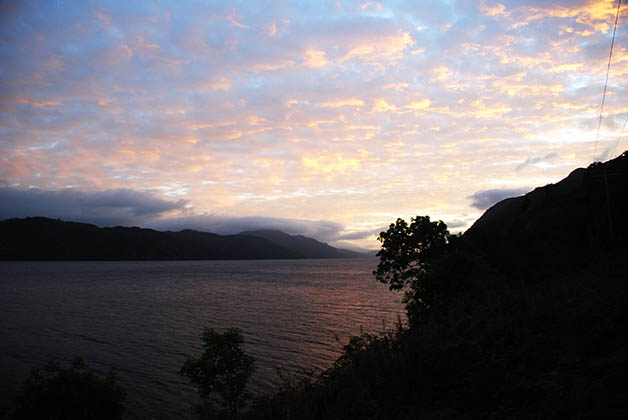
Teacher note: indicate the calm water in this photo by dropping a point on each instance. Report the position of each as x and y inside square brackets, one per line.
[145, 318]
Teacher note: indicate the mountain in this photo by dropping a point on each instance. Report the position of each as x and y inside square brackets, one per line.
[558, 226]
[304, 246]
[40, 238]
[523, 317]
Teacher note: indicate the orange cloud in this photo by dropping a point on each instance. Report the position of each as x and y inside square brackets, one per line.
[399, 87]
[381, 105]
[419, 105]
[595, 14]
[45, 104]
[315, 59]
[108, 104]
[376, 50]
[205, 125]
[291, 102]
[235, 23]
[272, 66]
[441, 74]
[220, 84]
[485, 111]
[369, 4]
[334, 164]
[498, 10]
[339, 103]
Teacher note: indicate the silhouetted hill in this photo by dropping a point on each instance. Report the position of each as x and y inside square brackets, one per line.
[39, 238]
[558, 226]
[304, 246]
[524, 317]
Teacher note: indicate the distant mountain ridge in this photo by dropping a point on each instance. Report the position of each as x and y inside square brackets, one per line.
[308, 246]
[40, 238]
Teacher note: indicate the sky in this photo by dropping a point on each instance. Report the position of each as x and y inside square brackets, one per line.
[324, 118]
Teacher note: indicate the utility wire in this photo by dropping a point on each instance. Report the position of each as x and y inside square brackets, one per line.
[620, 134]
[608, 69]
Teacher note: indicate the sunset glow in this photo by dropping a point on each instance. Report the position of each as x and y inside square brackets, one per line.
[330, 119]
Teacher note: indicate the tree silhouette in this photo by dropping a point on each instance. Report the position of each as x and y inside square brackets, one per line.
[220, 374]
[408, 250]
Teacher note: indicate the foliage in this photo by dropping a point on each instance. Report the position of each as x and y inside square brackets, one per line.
[221, 373]
[482, 342]
[525, 316]
[75, 393]
[408, 250]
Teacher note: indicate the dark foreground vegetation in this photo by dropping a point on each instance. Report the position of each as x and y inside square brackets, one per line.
[54, 392]
[525, 316]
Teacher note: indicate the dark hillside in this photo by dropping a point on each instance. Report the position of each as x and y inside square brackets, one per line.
[306, 247]
[39, 238]
[524, 317]
[559, 226]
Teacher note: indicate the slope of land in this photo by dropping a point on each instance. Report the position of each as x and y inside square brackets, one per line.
[39, 238]
[523, 317]
[560, 226]
[308, 247]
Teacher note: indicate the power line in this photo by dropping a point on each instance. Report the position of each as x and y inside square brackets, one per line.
[608, 69]
[620, 134]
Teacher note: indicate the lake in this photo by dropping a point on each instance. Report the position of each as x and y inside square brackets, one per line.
[145, 318]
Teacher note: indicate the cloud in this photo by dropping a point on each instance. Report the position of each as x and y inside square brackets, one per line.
[271, 29]
[339, 103]
[376, 49]
[535, 160]
[363, 234]
[327, 164]
[372, 4]
[235, 23]
[103, 208]
[605, 154]
[322, 230]
[455, 224]
[484, 199]
[315, 59]
[275, 65]
[126, 207]
[399, 87]
[382, 106]
[221, 84]
[279, 119]
[496, 11]
[419, 105]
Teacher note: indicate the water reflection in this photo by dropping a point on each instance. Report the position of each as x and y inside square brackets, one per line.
[145, 318]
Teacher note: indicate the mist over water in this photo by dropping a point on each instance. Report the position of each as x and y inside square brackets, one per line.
[145, 319]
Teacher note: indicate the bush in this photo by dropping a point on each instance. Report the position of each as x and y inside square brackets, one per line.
[220, 374]
[75, 393]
